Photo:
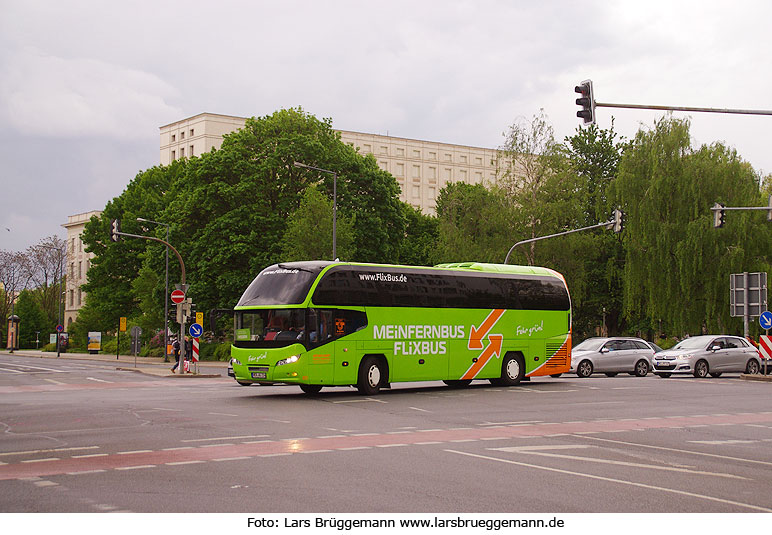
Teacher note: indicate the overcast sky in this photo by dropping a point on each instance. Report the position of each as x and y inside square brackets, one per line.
[85, 85]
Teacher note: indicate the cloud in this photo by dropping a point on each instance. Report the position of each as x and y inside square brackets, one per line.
[46, 95]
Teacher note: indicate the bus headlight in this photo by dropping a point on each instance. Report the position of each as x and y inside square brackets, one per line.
[236, 362]
[288, 360]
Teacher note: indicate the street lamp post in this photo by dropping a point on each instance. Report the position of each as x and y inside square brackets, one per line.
[334, 203]
[166, 290]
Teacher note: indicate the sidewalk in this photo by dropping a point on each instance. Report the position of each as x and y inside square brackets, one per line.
[146, 365]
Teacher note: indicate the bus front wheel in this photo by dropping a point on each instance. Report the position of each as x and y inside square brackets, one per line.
[372, 374]
[311, 389]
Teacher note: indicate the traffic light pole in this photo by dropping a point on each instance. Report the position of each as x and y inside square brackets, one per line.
[682, 108]
[115, 233]
[719, 209]
[612, 223]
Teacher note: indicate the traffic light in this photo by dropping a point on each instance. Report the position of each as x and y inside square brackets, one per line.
[619, 221]
[719, 215]
[115, 229]
[769, 212]
[586, 101]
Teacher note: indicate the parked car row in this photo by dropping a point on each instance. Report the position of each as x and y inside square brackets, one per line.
[699, 355]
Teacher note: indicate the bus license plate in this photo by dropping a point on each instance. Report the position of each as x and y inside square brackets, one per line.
[258, 375]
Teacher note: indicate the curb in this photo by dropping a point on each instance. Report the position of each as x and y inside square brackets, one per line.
[757, 377]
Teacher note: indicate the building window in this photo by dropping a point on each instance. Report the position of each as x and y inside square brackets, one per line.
[80, 296]
[72, 270]
[416, 171]
[417, 154]
[80, 270]
[191, 151]
[384, 165]
[385, 149]
[191, 132]
[401, 153]
[182, 135]
[400, 169]
[174, 137]
[72, 248]
[416, 192]
[463, 159]
[174, 155]
[72, 297]
[366, 148]
[432, 155]
[448, 157]
[182, 152]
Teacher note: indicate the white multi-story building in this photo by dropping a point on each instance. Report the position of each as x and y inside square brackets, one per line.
[422, 168]
[77, 265]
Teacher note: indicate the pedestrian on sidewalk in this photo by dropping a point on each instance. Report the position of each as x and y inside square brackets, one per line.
[176, 349]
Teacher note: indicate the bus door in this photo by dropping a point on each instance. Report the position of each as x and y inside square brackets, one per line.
[322, 350]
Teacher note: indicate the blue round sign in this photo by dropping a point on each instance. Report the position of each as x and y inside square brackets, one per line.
[196, 330]
[765, 320]
[59, 328]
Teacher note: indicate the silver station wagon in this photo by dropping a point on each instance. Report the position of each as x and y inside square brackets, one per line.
[708, 355]
[612, 356]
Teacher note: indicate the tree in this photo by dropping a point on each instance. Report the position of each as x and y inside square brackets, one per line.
[33, 319]
[309, 230]
[418, 246]
[47, 260]
[527, 159]
[677, 265]
[471, 224]
[14, 277]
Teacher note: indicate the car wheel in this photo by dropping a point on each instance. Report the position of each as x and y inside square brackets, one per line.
[752, 368]
[701, 369]
[663, 375]
[371, 375]
[584, 369]
[311, 389]
[458, 383]
[641, 368]
[716, 374]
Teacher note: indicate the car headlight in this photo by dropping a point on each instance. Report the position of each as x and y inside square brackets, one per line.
[288, 360]
[235, 361]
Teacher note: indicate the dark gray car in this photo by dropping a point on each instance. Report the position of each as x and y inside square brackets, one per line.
[612, 356]
[708, 355]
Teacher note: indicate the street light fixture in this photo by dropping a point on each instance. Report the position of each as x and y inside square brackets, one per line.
[166, 290]
[334, 203]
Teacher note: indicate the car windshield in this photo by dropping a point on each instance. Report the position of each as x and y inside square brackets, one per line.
[696, 342]
[591, 344]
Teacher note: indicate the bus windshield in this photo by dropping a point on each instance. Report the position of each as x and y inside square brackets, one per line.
[281, 284]
[269, 328]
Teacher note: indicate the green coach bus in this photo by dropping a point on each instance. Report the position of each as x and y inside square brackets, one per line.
[318, 324]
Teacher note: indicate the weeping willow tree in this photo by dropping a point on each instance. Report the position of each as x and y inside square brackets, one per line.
[677, 265]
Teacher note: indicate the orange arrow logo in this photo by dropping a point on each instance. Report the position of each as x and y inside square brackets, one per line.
[476, 335]
[494, 348]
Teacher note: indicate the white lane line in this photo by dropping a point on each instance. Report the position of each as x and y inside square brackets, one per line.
[89, 455]
[135, 451]
[54, 381]
[222, 438]
[30, 452]
[85, 472]
[612, 480]
[98, 380]
[10, 370]
[41, 460]
[418, 409]
[136, 467]
[700, 453]
[231, 459]
[178, 463]
[222, 414]
[356, 448]
[46, 484]
[539, 450]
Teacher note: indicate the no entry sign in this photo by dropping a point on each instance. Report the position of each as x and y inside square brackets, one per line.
[178, 296]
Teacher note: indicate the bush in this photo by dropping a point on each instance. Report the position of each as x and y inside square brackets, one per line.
[49, 348]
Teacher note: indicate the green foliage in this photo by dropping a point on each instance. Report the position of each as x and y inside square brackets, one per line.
[32, 319]
[418, 247]
[308, 235]
[470, 224]
[677, 265]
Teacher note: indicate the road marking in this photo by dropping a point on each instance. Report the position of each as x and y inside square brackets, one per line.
[524, 422]
[731, 441]
[54, 381]
[222, 414]
[98, 380]
[417, 409]
[85, 472]
[41, 460]
[89, 455]
[135, 467]
[179, 463]
[135, 451]
[10, 370]
[46, 484]
[540, 450]
[703, 454]
[30, 452]
[231, 459]
[360, 400]
[612, 480]
[222, 438]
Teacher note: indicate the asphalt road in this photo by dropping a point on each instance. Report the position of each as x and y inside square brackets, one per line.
[81, 436]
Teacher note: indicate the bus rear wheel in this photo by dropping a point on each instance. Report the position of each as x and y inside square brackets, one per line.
[512, 370]
[311, 389]
[372, 374]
